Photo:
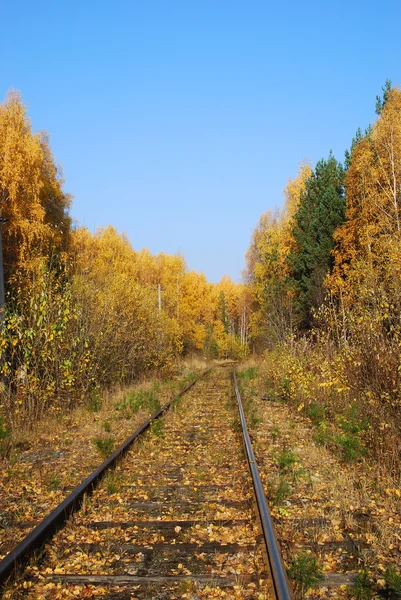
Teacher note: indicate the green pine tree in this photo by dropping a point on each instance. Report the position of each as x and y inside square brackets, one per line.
[320, 212]
[381, 102]
[355, 141]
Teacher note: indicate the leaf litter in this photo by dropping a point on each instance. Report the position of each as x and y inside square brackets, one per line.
[132, 521]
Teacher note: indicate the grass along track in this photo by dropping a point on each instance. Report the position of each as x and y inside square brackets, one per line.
[42, 466]
[336, 522]
[174, 520]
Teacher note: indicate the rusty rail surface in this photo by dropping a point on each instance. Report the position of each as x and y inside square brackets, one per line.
[279, 577]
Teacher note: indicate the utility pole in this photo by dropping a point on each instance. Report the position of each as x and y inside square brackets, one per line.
[159, 295]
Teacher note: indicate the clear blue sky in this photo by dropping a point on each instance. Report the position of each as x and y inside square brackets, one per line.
[179, 122]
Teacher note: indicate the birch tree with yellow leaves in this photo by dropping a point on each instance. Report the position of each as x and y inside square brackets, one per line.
[267, 271]
[366, 281]
[31, 195]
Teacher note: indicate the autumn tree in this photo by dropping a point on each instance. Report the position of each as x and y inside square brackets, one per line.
[267, 267]
[83, 310]
[366, 281]
[31, 195]
[367, 243]
[55, 201]
[228, 335]
[120, 317]
[194, 310]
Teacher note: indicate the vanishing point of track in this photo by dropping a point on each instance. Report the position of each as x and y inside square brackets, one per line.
[182, 515]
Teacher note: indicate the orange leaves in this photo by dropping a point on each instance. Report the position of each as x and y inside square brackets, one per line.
[368, 243]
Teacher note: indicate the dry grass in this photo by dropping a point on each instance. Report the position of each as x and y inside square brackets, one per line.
[359, 499]
[194, 362]
[45, 462]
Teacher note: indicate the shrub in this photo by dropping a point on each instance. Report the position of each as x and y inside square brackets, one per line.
[393, 581]
[95, 402]
[249, 374]
[323, 436]
[350, 440]
[305, 572]
[251, 414]
[316, 412]
[362, 586]
[157, 428]
[286, 460]
[47, 358]
[112, 481]
[350, 446]
[138, 400]
[4, 431]
[285, 388]
[281, 491]
[105, 445]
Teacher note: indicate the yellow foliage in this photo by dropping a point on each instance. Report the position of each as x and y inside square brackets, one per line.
[368, 244]
[88, 310]
[267, 267]
[31, 195]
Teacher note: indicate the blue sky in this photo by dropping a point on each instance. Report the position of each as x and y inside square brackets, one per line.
[180, 122]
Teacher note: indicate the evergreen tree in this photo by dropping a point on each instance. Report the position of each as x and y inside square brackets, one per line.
[381, 102]
[355, 141]
[321, 211]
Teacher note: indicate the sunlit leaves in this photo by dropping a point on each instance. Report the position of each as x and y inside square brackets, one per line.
[31, 196]
[267, 266]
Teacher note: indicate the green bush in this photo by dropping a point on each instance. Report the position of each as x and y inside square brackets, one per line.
[323, 436]
[4, 431]
[316, 412]
[155, 385]
[275, 433]
[157, 428]
[393, 581]
[249, 374]
[351, 423]
[95, 402]
[188, 377]
[286, 460]
[271, 393]
[362, 586]
[211, 347]
[349, 441]
[251, 414]
[236, 425]
[105, 445]
[4, 435]
[112, 482]
[350, 446]
[305, 572]
[137, 400]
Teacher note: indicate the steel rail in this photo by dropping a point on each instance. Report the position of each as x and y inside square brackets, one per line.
[280, 581]
[36, 539]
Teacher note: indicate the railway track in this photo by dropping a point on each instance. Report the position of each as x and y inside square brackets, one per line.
[181, 516]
